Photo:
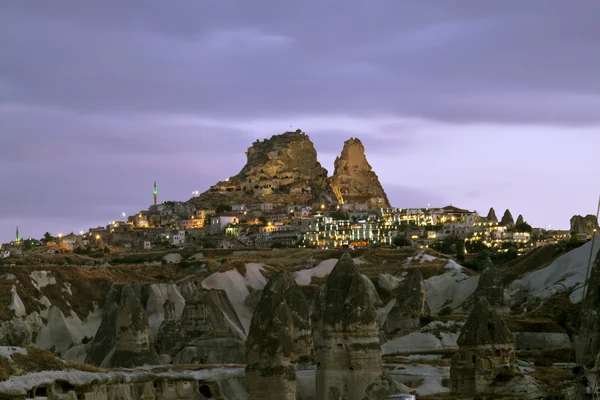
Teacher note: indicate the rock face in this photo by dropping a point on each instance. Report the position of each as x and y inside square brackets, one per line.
[211, 332]
[410, 306]
[584, 225]
[346, 335]
[170, 336]
[507, 218]
[122, 340]
[283, 169]
[355, 178]
[587, 341]
[486, 349]
[520, 220]
[279, 333]
[491, 287]
[491, 217]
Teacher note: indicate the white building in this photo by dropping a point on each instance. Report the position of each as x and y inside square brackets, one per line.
[4, 254]
[238, 207]
[266, 207]
[147, 245]
[178, 238]
[219, 223]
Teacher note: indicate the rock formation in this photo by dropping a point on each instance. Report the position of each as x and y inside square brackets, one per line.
[520, 220]
[122, 339]
[587, 341]
[170, 335]
[491, 287]
[211, 329]
[507, 218]
[585, 225]
[410, 306]
[279, 333]
[485, 349]
[355, 178]
[491, 217]
[283, 169]
[346, 335]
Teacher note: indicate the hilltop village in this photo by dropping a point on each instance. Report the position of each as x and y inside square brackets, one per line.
[285, 283]
[283, 198]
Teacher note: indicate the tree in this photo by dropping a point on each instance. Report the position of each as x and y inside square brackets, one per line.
[401, 241]
[340, 215]
[48, 237]
[523, 227]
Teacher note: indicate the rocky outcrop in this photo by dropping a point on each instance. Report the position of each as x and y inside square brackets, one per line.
[507, 219]
[355, 178]
[486, 349]
[587, 341]
[283, 169]
[122, 340]
[210, 329]
[490, 286]
[491, 217]
[346, 335]
[170, 335]
[520, 220]
[410, 306]
[280, 333]
[587, 225]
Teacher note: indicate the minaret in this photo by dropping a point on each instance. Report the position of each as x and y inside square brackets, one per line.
[17, 238]
[155, 194]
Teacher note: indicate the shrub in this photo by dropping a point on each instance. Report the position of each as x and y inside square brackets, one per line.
[444, 312]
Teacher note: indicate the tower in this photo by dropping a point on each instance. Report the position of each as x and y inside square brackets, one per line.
[155, 191]
[17, 237]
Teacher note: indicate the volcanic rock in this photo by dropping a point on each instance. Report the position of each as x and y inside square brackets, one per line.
[346, 335]
[486, 349]
[355, 178]
[280, 332]
[585, 225]
[491, 286]
[410, 306]
[587, 341]
[491, 217]
[170, 336]
[520, 220]
[507, 218]
[283, 169]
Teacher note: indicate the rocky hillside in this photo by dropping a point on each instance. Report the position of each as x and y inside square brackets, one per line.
[282, 169]
[586, 225]
[355, 178]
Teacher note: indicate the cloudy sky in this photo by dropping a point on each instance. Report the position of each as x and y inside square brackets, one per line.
[473, 103]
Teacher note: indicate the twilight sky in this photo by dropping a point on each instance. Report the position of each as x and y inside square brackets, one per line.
[468, 102]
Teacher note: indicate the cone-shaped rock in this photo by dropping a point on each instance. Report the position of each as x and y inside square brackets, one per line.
[410, 305]
[355, 178]
[346, 335]
[491, 286]
[170, 337]
[486, 348]
[491, 217]
[507, 218]
[520, 220]
[279, 333]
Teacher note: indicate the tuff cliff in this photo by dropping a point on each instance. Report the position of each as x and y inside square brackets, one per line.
[586, 224]
[355, 178]
[282, 169]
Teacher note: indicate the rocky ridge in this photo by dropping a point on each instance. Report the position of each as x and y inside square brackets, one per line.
[283, 169]
[355, 178]
[585, 225]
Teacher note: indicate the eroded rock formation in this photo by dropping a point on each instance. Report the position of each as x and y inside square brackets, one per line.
[507, 218]
[490, 286]
[122, 340]
[486, 349]
[283, 169]
[491, 217]
[410, 306]
[280, 333]
[346, 335]
[587, 341]
[585, 225]
[355, 178]
[520, 220]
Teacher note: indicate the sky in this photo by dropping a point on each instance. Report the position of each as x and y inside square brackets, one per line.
[463, 102]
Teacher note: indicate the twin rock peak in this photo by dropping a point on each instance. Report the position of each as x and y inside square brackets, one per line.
[285, 169]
